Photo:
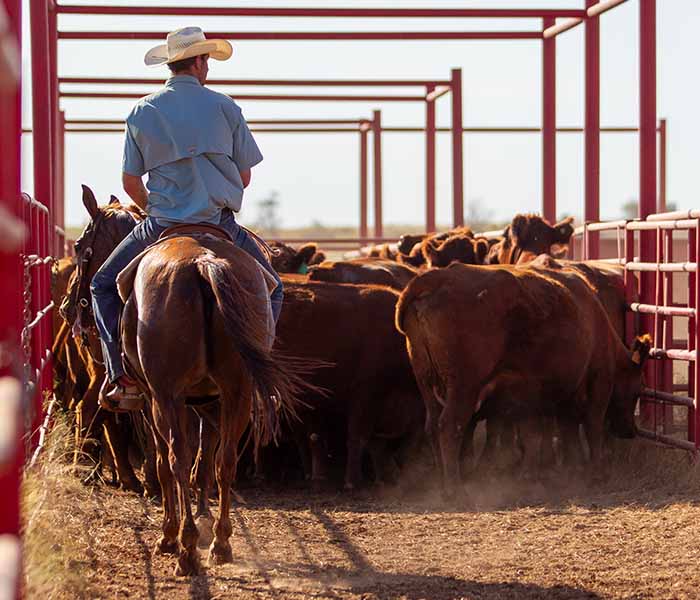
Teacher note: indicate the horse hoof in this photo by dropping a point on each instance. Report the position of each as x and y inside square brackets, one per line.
[165, 546]
[219, 555]
[187, 565]
[205, 527]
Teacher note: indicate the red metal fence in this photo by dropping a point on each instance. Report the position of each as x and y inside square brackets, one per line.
[653, 308]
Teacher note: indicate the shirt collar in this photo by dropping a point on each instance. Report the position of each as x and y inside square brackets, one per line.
[182, 79]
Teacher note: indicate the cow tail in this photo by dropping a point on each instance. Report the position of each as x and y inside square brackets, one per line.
[412, 319]
[277, 380]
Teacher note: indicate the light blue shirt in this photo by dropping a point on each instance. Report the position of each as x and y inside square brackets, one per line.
[193, 142]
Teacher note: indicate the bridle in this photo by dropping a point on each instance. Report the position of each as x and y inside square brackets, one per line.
[81, 296]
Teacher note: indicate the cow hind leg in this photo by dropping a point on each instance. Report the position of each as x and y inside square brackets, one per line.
[451, 426]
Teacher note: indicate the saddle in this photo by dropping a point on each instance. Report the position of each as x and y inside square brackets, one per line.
[196, 229]
[126, 277]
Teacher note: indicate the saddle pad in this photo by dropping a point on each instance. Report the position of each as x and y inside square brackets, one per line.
[127, 276]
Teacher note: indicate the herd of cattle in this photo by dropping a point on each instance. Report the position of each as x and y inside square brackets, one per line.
[417, 345]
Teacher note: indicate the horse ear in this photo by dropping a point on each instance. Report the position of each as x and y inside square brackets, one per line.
[90, 202]
[114, 200]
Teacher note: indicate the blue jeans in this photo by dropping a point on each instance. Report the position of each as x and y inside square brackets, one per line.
[107, 305]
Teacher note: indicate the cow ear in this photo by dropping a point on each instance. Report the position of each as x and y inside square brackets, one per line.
[563, 231]
[90, 202]
[641, 347]
[518, 227]
[306, 252]
[429, 248]
[481, 249]
[317, 258]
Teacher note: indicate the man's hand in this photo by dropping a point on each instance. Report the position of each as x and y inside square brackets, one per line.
[245, 177]
[133, 186]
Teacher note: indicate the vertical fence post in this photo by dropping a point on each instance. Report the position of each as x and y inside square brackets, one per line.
[663, 132]
[10, 265]
[549, 125]
[363, 181]
[647, 154]
[41, 109]
[53, 106]
[692, 333]
[695, 336]
[457, 150]
[667, 332]
[429, 162]
[61, 193]
[377, 147]
[592, 128]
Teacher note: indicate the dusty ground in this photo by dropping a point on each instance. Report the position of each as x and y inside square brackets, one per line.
[633, 537]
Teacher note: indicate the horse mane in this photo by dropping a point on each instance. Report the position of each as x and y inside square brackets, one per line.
[115, 208]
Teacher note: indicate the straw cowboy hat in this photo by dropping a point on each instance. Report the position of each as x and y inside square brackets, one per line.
[186, 43]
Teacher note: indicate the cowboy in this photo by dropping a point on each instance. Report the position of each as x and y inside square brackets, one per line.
[198, 152]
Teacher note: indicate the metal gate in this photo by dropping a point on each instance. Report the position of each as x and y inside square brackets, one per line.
[662, 296]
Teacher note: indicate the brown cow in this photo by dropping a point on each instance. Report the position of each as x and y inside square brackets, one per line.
[371, 387]
[290, 260]
[456, 248]
[527, 237]
[364, 270]
[518, 343]
[607, 282]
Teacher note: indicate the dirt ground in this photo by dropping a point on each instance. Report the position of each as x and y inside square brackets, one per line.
[635, 536]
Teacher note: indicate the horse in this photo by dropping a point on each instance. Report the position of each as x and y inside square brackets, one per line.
[197, 323]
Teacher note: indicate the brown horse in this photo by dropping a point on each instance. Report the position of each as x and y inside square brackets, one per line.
[83, 350]
[198, 322]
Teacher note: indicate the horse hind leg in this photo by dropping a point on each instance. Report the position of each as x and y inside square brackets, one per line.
[203, 472]
[167, 544]
[236, 397]
[170, 419]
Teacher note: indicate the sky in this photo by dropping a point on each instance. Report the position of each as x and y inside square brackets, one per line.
[316, 176]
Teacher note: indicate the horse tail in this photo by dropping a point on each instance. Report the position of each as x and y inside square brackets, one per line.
[278, 381]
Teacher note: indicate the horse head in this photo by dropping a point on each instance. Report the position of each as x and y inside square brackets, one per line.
[107, 227]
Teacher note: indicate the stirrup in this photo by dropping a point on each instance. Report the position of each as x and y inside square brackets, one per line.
[118, 398]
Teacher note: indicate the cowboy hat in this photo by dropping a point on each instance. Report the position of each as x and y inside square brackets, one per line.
[186, 43]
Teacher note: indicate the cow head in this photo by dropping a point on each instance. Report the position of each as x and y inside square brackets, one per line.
[528, 236]
[628, 386]
[287, 259]
[408, 241]
[414, 259]
[459, 248]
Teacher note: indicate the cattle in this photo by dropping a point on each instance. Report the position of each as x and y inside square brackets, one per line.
[527, 237]
[286, 259]
[364, 270]
[521, 344]
[457, 248]
[369, 384]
